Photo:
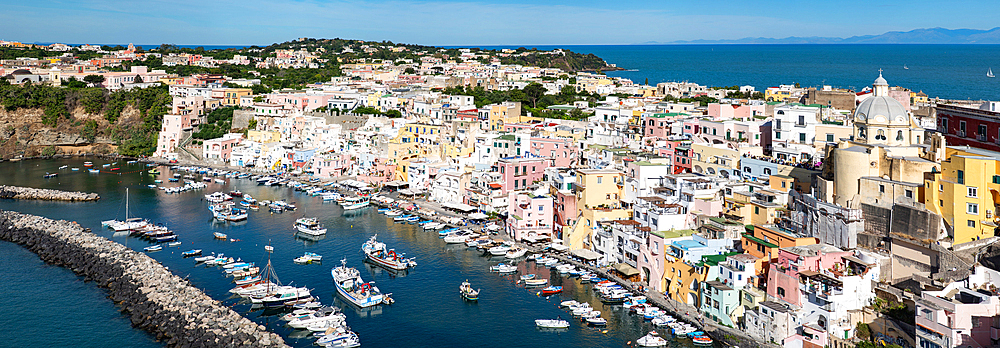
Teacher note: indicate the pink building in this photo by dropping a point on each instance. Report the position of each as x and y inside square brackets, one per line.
[957, 317]
[529, 217]
[331, 165]
[172, 129]
[562, 152]
[722, 112]
[783, 279]
[656, 126]
[221, 149]
[518, 173]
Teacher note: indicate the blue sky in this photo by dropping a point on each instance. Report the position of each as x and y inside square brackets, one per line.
[470, 22]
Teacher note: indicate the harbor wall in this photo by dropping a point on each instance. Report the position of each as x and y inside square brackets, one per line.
[18, 192]
[156, 300]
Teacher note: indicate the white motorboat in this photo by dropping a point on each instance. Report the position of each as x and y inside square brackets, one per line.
[597, 321]
[353, 203]
[515, 253]
[503, 268]
[568, 303]
[325, 314]
[500, 250]
[536, 282]
[552, 323]
[310, 226]
[297, 314]
[652, 339]
[460, 237]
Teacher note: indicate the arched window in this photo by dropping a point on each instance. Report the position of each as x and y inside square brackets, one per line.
[899, 135]
[781, 291]
[861, 133]
[880, 135]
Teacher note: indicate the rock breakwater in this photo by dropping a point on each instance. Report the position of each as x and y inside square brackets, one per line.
[156, 300]
[17, 192]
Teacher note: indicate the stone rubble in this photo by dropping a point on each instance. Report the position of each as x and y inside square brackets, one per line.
[156, 300]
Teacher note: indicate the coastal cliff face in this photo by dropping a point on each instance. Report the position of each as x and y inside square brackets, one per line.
[23, 133]
[155, 299]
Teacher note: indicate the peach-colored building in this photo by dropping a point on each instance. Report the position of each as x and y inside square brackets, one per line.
[172, 129]
[562, 152]
[518, 172]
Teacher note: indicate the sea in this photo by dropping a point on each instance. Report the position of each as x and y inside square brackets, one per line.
[44, 305]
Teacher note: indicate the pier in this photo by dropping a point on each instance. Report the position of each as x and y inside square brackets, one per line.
[17, 192]
[155, 300]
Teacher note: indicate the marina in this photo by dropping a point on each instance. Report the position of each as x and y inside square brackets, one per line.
[421, 300]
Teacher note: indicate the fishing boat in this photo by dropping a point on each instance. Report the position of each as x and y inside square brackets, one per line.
[468, 293]
[193, 252]
[310, 226]
[377, 252]
[552, 323]
[88, 164]
[552, 290]
[93, 171]
[308, 258]
[153, 248]
[702, 340]
[652, 339]
[352, 288]
[219, 235]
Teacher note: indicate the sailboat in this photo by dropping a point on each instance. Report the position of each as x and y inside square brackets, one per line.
[274, 294]
[989, 73]
[129, 224]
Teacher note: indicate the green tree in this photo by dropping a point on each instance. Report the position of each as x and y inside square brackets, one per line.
[74, 83]
[863, 332]
[865, 344]
[568, 91]
[138, 79]
[93, 79]
[394, 114]
[533, 91]
[409, 71]
[89, 131]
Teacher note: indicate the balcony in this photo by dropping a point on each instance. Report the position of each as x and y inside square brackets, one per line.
[981, 137]
[961, 133]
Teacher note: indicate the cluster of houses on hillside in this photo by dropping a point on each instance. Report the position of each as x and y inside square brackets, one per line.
[793, 218]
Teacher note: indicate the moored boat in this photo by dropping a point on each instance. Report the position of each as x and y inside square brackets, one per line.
[352, 288]
[468, 293]
[377, 252]
[552, 323]
[552, 290]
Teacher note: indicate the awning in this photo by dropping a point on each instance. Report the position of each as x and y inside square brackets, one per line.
[558, 247]
[409, 192]
[397, 183]
[626, 269]
[585, 254]
[459, 206]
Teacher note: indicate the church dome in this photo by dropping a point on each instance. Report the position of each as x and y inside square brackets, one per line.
[881, 110]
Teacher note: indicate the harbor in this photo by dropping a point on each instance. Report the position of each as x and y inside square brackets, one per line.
[428, 309]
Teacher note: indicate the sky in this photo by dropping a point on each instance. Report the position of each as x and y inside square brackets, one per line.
[472, 22]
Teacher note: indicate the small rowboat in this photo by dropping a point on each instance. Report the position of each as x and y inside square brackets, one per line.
[221, 236]
[190, 253]
[552, 290]
[153, 248]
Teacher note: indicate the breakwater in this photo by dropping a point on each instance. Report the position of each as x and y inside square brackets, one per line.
[156, 300]
[17, 192]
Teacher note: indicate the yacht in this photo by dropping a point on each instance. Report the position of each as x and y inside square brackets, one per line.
[310, 226]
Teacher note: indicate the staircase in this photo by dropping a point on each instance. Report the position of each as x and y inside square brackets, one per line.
[183, 152]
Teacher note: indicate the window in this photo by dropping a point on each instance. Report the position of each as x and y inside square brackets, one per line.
[881, 188]
[960, 177]
[781, 291]
[783, 184]
[972, 208]
[941, 202]
[777, 135]
[941, 187]
[802, 120]
[540, 208]
[909, 193]
[802, 137]
[829, 137]
[756, 210]
[971, 223]
[973, 192]
[996, 179]
[778, 124]
[599, 179]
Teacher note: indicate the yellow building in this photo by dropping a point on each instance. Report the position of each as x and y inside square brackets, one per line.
[231, 96]
[682, 280]
[263, 136]
[966, 192]
[598, 198]
[503, 113]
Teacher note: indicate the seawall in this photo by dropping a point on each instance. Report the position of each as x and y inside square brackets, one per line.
[17, 192]
[156, 300]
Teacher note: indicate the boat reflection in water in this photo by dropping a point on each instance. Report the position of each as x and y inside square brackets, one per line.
[366, 312]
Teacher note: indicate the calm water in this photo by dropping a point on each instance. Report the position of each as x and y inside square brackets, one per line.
[428, 311]
[946, 71]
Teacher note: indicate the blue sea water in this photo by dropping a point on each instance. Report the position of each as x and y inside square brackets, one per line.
[945, 71]
[428, 311]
